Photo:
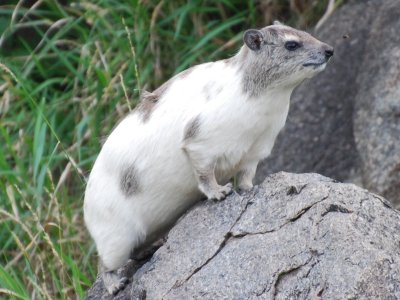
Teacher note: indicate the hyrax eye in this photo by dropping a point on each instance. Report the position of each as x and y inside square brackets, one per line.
[292, 45]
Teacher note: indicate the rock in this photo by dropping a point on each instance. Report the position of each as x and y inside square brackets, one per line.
[296, 236]
[377, 105]
[345, 123]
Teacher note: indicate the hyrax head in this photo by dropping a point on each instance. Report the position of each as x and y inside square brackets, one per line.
[285, 55]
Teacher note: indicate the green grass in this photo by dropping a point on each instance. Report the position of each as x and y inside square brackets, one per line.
[68, 74]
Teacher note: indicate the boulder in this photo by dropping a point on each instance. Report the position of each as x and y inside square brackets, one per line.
[295, 236]
[377, 105]
[345, 123]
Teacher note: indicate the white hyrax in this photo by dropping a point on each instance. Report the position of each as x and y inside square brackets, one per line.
[189, 137]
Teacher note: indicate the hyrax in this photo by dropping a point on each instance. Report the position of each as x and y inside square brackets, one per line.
[190, 136]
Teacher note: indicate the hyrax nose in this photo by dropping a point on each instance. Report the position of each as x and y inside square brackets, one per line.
[328, 51]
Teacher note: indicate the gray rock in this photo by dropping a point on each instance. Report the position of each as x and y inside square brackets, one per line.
[377, 105]
[345, 123]
[300, 236]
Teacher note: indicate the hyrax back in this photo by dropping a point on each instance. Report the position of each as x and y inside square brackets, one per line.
[190, 136]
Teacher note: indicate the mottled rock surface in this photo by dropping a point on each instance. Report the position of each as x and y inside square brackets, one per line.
[345, 123]
[296, 236]
[377, 106]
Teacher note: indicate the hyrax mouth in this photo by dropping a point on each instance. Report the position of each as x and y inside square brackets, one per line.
[314, 64]
[321, 59]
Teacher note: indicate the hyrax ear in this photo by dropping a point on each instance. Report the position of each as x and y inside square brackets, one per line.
[253, 39]
[276, 22]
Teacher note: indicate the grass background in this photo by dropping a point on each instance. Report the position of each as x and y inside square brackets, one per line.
[69, 71]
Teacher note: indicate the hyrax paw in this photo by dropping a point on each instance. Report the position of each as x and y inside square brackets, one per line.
[243, 187]
[220, 192]
[118, 286]
[113, 282]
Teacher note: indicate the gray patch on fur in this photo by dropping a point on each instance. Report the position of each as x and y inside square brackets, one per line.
[211, 89]
[147, 104]
[206, 177]
[230, 60]
[148, 101]
[205, 181]
[130, 181]
[184, 74]
[207, 90]
[207, 94]
[192, 128]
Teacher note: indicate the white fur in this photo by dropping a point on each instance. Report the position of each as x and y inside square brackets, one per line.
[291, 37]
[236, 130]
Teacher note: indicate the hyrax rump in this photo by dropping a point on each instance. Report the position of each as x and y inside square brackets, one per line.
[189, 137]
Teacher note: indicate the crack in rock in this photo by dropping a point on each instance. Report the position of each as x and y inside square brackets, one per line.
[314, 255]
[336, 208]
[284, 273]
[293, 269]
[295, 189]
[385, 202]
[291, 220]
[227, 237]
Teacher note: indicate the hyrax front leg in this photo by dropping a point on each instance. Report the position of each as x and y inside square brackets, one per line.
[207, 182]
[246, 175]
[203, 159]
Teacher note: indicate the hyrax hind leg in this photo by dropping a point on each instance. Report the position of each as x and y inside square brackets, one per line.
[117, 278]
[113, 277]
[114, 252]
